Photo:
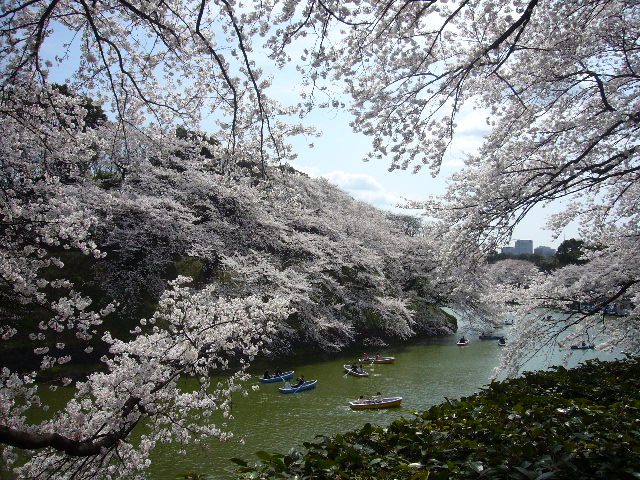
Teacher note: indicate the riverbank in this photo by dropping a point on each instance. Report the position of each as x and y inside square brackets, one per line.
[561, 424]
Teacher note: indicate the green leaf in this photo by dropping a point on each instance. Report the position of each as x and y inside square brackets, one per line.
[421, 475]
[545, 475]
[264, 456]
[527, 473]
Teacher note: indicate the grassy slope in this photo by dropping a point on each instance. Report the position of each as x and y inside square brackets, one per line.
[562, 424]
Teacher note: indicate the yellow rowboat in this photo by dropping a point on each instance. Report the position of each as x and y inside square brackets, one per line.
[377, 360]
[372, 404]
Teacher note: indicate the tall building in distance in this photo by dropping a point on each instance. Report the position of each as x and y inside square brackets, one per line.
[524, 247]
[545, 251]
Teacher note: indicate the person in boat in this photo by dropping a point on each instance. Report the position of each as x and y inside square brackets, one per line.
[361, 369]
[354, 367]
[277, 373]
[502, 341]
[463, 340]
[366, 355]
[377, 398]
[287, 384]
[378, 357]
[299, 382]
[584, 344]
[266, 375]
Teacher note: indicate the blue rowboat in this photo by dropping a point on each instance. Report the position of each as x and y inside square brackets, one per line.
[281, 378]
[305, 386]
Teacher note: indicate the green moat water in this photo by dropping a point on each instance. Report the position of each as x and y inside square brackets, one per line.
[425, 373]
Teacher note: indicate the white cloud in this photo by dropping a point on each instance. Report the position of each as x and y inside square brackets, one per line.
[461, 147]
[473, 121]
[469, 136]
[359, 185]
[453, 161]
[313, 172]
[353, 181]
[364, 187]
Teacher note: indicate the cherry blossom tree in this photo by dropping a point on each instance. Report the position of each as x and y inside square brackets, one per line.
[291, 258]
[152, 68]
[512, 272]
[558, 82]
[52, 204]
[295, 258]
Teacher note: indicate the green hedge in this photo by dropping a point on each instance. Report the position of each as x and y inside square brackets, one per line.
[560, 424]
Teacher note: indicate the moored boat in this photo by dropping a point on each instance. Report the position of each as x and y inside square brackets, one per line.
[277, 378]
[490, 337]
[377, 360]
[355, 372]
[373, 404]
[308, 385]
[584, 346]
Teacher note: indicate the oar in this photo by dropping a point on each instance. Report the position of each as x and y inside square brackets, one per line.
[284, 381]
[299, 387]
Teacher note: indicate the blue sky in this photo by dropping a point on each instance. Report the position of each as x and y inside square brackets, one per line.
[337, 155]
